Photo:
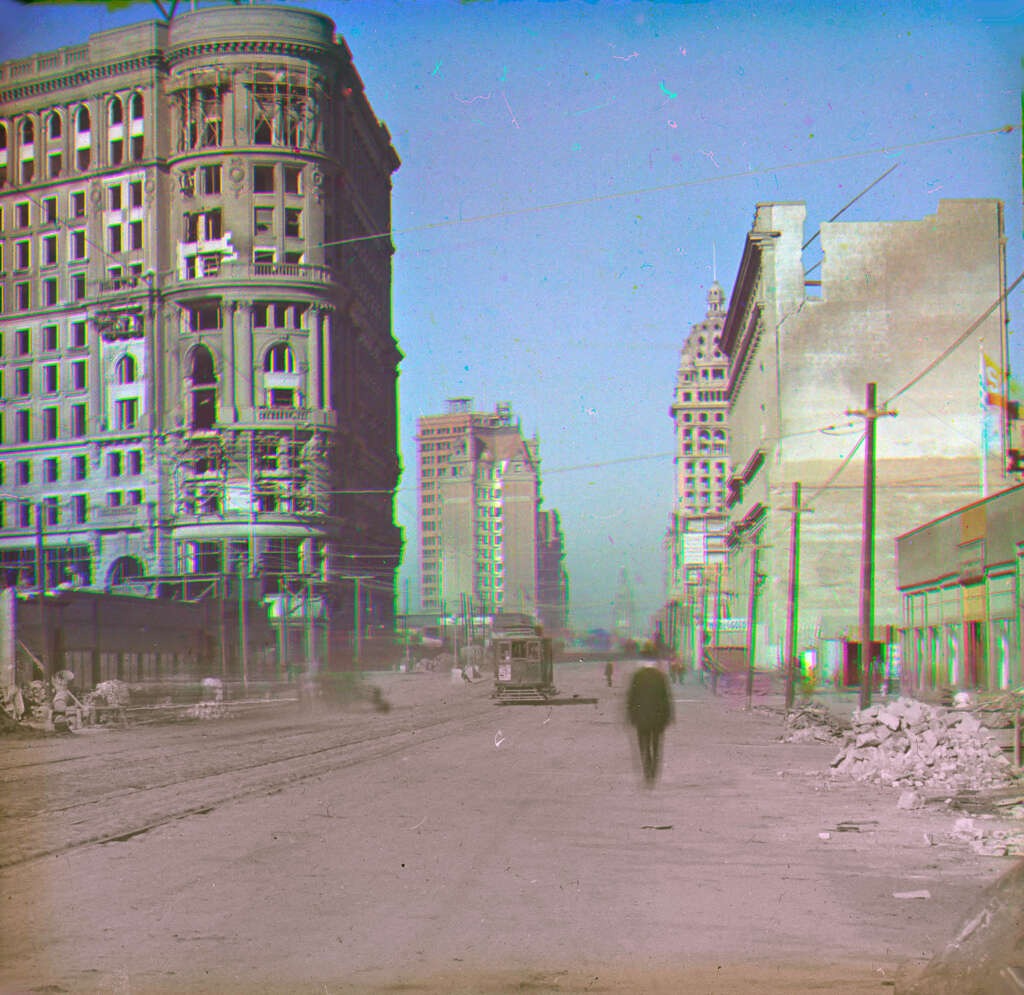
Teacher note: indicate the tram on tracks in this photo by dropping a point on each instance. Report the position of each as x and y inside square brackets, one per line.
[523, 665]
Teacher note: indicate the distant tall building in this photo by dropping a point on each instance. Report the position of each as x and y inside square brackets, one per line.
[200, 379]
[625, 608]
[479, 510]
[696, 538]
[552, 579]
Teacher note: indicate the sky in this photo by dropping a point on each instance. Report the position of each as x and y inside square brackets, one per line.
[574, 176]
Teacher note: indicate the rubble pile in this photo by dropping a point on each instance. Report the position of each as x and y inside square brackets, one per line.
[812, 723]
[914, 745]
[990, 841]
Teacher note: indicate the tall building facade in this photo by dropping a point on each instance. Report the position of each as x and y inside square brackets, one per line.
[892, 298]
[552, 577]
[480, 530]
[199, 370]
[695, 544]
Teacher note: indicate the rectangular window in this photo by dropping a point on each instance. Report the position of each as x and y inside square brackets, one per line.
[23, 427]
[50, 210]
[115, 198]
[293, 179]
[22, 340]
[78, 287]
[135, 189]
[21, 296]
[114, 238]
[79, 509]
[293, 222]
[136, 233]
[50, 250]
[262, 179]
[78, 204]
[25, 514]
[113, 464]
[83, 157]
[22, 215]
[55, 164]
[127, 413]
[79, 468]
[135, 462]
[51, 470]
[78, 420]
[50, 338]
[51, 424]
[263, 220]
[51, 378]
[50, 292]
[114, 499]
[135, 498]
[23, 472]
[22, 254]
[78, 244]
[23, 381]
[136, 146]
[211, 178]
[78, 375]
[79, 337]
[52, 509]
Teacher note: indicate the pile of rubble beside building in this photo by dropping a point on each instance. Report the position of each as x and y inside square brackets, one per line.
[910, 744]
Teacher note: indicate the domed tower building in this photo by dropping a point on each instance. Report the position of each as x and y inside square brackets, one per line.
[228, 290]
[696, 537]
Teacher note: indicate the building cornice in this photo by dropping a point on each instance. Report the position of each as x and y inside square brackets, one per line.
[79, 77]
[248, 46]
[750, 266]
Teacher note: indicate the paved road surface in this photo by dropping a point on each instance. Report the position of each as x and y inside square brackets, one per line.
[456, 845]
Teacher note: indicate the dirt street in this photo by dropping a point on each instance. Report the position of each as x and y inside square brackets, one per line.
[454, 845]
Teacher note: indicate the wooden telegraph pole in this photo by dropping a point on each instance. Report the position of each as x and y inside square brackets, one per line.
[867, 564]
[793, 614]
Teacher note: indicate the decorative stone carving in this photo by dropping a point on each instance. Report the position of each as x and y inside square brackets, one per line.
[236, 176]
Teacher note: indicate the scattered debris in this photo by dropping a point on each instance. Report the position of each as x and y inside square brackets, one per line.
[913, 745]
[812, 723]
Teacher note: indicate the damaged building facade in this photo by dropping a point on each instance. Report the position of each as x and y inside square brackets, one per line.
[199, 373]
[891, 299]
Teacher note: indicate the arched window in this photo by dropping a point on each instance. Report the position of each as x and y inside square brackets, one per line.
[115, 112]
[279, 359]
[201, 368]
[54, 123]
[83, 122]
[135, 106]
[126, 371]
[28, 131]
[3, 155]
[204, 394]
[3, 137]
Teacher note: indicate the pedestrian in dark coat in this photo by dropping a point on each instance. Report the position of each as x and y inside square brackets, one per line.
[649, 709]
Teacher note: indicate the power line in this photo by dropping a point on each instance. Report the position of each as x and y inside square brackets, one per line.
[682, 184]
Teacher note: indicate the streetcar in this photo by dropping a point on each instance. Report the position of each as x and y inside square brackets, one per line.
[523, 665]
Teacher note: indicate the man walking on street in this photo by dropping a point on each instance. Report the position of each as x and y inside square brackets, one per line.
[649, 709]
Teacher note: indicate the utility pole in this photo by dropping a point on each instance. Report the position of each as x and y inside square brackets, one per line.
[282, 626]
[41, 584]
[793, 614]
[751, 620]
[358, 625]
[243, 626]
[867, 565]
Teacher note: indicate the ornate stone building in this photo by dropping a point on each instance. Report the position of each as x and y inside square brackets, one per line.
[199, 369]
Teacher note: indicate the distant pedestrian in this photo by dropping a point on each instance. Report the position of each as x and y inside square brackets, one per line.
[609, 669]
[677, 671]
[649, 710]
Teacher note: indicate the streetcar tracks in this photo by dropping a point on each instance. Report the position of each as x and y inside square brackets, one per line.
[121, 814]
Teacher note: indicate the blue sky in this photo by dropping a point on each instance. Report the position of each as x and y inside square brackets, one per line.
[634, 121]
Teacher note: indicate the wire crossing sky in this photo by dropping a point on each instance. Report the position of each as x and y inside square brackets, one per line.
[571, 171]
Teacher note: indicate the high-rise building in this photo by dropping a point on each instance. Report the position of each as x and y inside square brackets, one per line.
[552, 578]
[479, 509]
[695, 543]
[200, 374]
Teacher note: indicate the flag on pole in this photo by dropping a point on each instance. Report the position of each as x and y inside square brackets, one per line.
[993, 383]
